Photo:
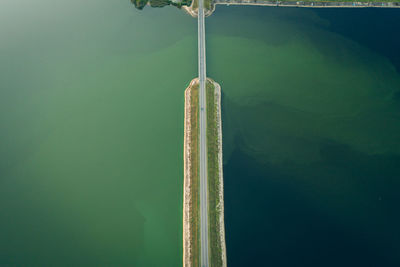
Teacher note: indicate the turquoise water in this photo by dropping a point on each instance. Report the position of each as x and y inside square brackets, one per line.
[311, 128]
[91, 130]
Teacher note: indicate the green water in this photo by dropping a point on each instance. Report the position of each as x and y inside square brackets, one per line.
[310, 83]
[91, 132]
[311, 128]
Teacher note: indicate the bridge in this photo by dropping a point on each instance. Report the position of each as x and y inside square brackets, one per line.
[204, 258]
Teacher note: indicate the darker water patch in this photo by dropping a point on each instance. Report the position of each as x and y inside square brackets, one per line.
[396, 98]
[311, 184]
[376, 28]
[340, 211]
[267, 24]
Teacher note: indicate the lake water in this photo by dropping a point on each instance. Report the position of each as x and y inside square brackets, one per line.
[91, 130]
[311, 127]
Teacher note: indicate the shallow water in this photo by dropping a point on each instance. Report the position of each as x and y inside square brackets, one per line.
[311, 127]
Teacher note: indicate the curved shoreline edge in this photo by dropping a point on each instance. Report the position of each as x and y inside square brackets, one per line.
[192, 11]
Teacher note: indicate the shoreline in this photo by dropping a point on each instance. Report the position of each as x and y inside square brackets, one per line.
[303, 4]
[309, 4]
[193, 11]
[189, 212]
[187, 185]
[189, 10]
[220, 208]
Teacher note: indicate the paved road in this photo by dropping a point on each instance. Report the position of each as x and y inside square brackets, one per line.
[203, 139]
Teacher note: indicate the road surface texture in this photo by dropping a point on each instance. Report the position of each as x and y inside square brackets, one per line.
[203, 139]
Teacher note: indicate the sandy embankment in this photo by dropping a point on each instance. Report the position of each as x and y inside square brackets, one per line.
[220, 208]
[189, 9]
[187, 179]
[194, 11]
[187, 250]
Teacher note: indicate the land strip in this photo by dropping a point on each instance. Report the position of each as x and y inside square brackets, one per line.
[313, 4]
[140, 4]
[193, 9]
[191, 191]
[215, 176]
[191, 202]
[204, 233]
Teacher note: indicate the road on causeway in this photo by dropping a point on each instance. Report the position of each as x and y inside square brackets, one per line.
[203, 138]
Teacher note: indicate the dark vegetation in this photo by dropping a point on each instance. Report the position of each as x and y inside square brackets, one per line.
[140, 4]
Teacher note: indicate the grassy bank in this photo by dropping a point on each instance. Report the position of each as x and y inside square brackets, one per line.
[213, 178]
[140, 4]
[352, 1]
[207, 4]
[348, 3]
[195, 176]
